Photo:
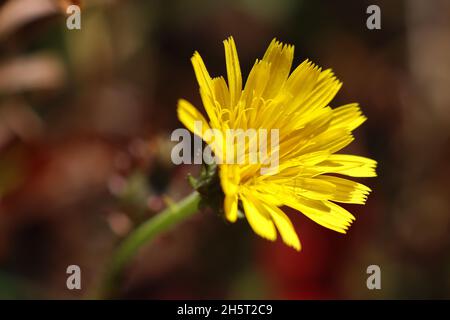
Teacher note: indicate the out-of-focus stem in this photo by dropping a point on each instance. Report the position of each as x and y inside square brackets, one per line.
[143, 235]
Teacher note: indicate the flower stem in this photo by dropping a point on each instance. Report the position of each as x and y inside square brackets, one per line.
[142, 235]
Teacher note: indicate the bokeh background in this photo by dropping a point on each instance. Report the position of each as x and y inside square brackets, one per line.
[85, 124]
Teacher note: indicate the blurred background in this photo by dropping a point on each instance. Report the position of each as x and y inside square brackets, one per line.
[85, 123]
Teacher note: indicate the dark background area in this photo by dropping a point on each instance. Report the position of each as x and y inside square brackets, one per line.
[85, 123]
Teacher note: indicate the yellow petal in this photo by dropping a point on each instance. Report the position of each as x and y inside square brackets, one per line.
[314, 209]
[233, 71]
[303, 161]
[231, 207]
[279, 57]
[221, 91]
[348, 116]
[201, 73]
[350, 165]
[339, 211]
[313, 128]
[330, 140]
[256, 82]
[347, 191]
[260, 222]
[302, 81]
[189, 115]
[313, 188]
[206, 88]
[284, 226]
[324, 91]
[229, 178]
[317, 210]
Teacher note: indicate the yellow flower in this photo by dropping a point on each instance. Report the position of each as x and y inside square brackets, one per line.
[310, 134]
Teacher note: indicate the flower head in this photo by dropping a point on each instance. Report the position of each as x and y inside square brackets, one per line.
[310, 132]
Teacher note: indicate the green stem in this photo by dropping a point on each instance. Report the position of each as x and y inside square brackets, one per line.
[142, 235]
